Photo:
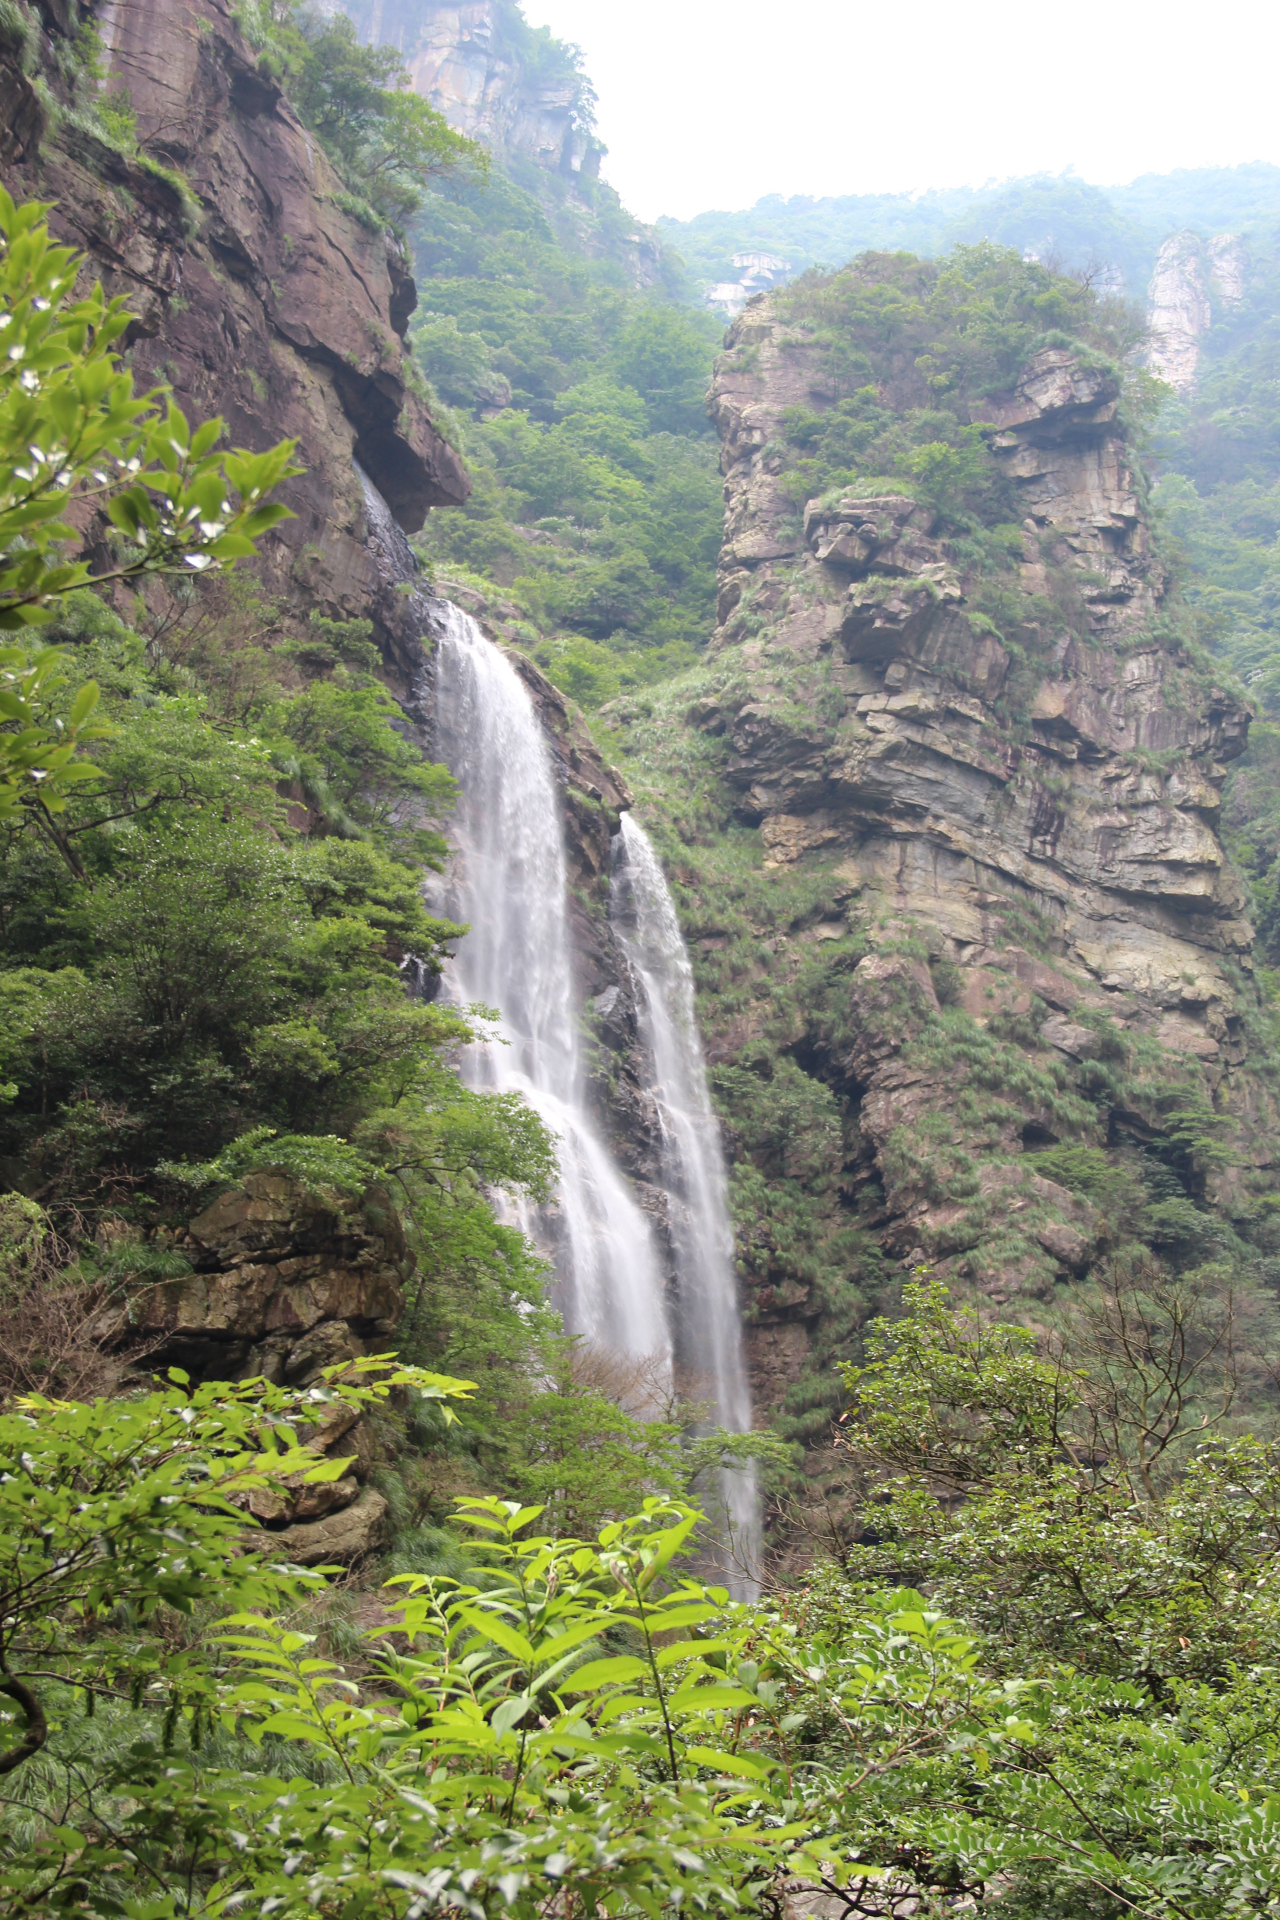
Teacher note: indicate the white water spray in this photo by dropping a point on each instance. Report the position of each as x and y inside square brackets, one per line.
[709, 1331]
[508, 883]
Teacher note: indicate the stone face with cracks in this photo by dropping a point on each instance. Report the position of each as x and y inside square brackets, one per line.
[286, 1282]
[920, 780]
[1095, 817]
[268, 302]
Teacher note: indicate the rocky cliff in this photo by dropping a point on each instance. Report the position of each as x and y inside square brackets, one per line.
[923, 782]
[521, 94]
[1190, 275]
[469, 59]
[259, 295]
[284, 1282]
[946, 836]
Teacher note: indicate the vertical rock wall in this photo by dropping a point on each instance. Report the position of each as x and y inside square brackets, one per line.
[259, 295]
[462, 60]
[1189, 275]
[521, 94]
[1020, 839]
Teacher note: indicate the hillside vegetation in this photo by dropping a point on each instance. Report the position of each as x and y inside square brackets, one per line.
[1018, 1650]
[580, 404]
[1062, 220]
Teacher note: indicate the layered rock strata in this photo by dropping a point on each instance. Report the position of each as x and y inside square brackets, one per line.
[1027, 818]
[1100, 810]
[284, 1283]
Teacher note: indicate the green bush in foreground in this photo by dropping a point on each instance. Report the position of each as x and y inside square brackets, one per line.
[570, 1726]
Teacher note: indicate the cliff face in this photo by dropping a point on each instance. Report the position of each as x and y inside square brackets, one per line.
[922, 782]
[993, 917]
[521, 94]
[284, 1283]
[1189, 275]
[263, 300]
[463, 60]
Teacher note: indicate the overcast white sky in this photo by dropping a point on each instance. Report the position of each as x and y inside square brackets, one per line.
[707, 104]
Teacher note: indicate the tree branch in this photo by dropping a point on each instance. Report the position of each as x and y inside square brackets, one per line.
[37, 1726]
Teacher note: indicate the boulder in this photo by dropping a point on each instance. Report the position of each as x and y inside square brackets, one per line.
[287, 1282]
[338, 1537]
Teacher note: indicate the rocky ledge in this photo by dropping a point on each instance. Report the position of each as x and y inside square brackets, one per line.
[284, 1283]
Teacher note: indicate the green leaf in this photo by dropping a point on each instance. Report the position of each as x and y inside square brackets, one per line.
[711, 1698]
[616, 1671]
[85, 702]
[510, 1713]
[690, 1650]
[750, 1768]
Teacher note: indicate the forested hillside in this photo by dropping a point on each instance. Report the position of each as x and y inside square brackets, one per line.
[1060, 219]
[597, 498]
[352, 1563]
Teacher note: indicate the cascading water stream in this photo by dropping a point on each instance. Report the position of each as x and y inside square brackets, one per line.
[709, 1330]
[508, 884]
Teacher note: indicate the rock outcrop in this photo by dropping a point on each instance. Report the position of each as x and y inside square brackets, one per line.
[462, 59]
[1189, 274]
[1012, 820]
[1099, 808]
[521, 94]
[284, 1283]
[260, 295]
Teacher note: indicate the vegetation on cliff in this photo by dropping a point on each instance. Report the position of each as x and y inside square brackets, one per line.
[596, 504]
[203, 937]
[385, 140]
[1032, 1669]
[909, 1065]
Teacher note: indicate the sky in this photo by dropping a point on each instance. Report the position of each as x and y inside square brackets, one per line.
[707, 104]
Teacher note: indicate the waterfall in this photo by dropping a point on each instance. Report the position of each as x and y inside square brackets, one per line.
[508, 884]
[709, 1330]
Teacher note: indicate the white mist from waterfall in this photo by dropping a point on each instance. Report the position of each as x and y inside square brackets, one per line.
[508, 884]
[709, 1333]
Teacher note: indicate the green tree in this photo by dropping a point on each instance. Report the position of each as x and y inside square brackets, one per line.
[662, 353]
[138, 1503]
[1080, 1498]
[359, 101]
[77, 441]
